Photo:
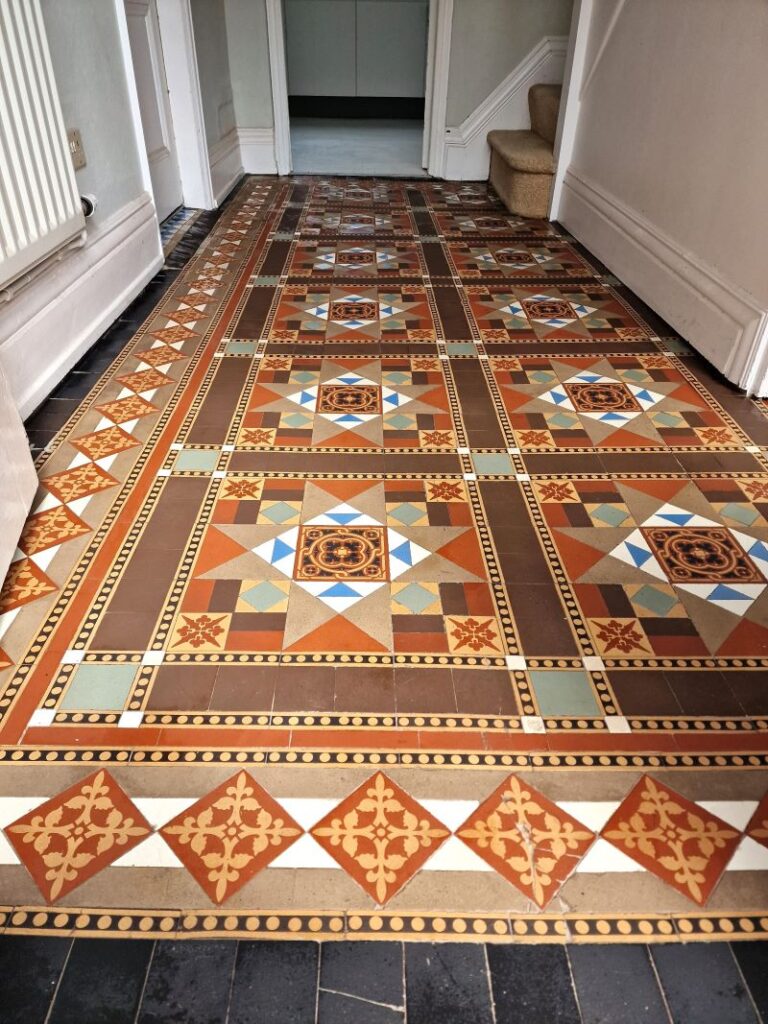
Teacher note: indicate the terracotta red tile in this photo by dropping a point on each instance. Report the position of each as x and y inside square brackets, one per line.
[673, 838]
[527, 838]
[380, 836]
[230, 834]
[757, 828]
[71, 837]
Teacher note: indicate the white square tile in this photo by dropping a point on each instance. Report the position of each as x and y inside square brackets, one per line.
[522, 476]
[227, 447]
[219, 474]
[42, 717]
[152, 657]
[516, 662]
[592, 663]
[533, 723]
[163, 472]
[130, 719]
[470, 476]
[72, 657]
[617, 723]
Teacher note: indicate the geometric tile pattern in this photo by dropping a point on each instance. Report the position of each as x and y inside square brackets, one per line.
[394, 480]
[380, 836]
[657, 568]
[608, 402]
[354, 403]
[350, 565]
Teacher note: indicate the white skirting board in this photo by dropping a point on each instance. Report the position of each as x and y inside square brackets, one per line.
[226, 165]
[466, 154]
[257, 150]
[717, 317]
[51, 323]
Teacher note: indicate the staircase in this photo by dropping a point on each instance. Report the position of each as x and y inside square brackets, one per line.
[522, 162]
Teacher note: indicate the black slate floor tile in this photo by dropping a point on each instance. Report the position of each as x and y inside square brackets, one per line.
[370, 970]
[103, 982]
[188, 983]
[275, 982]
[334, 1008]
[616, 985]
[702, 984]
[447, 984]
[29, 970]
[752, 958]
[532, 985]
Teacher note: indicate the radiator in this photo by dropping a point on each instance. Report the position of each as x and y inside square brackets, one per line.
[40, 209]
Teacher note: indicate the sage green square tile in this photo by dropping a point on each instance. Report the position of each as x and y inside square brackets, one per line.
[199, 460]
[489, 462]
[240, 348]
[99, 688]
[564, 694]
[460, 348]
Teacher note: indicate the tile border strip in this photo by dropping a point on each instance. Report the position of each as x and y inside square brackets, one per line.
[364, 925]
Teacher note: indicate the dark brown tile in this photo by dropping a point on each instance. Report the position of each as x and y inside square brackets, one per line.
[182, 688]
[248, 688]
[364, 688]
[484, 692]
[644, 692]
[703, 693]
[425, 690]
[300, 688]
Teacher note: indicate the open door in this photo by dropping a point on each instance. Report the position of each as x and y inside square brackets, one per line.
[152, 89]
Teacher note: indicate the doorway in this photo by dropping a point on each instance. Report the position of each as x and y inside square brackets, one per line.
[154, 106]
[357, 74]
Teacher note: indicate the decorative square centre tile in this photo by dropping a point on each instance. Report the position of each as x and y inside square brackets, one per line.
[701, 553]
[345, 398]
[602, 397]
[341, 553]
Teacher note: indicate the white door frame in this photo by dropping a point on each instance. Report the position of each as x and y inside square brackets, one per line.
[178, 38]
[436, 92]
[163, 160]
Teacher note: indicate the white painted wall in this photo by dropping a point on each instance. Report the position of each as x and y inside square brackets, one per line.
[489, 40]
[249, 62]
[209, 21]
[49, 324]
[666, 182]
[83, 35]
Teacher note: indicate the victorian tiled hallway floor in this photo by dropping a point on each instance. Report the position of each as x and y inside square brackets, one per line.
[402, 578]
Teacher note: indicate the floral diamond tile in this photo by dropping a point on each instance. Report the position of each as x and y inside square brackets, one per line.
[672, 837]
[229, 835]
[160, 356]
[528, 839]
[757, 828]
[121, 410]
[381, 836]
[23, 583]
[71, 484]
[103, 443]
[50, 527]
[144, 380]
[71, 837]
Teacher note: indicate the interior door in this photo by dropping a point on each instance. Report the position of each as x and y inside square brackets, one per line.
[152, 88]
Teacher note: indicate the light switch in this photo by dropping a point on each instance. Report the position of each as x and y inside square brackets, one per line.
[76, 150]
